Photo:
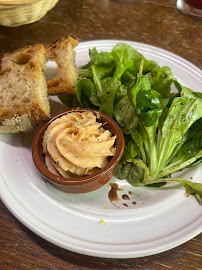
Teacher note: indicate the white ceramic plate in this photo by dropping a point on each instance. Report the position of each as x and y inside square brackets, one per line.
[160, 220]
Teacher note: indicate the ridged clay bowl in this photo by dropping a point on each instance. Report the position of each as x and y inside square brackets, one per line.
[81, 184]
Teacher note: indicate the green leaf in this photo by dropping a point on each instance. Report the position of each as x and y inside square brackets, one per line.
[93, 53]
[192, 188]
[141, 164]
[198, 94]
[150, 65]
[131, 149]
[149, 106]
[163, 128]
[102, 77]
[156, 185]
[183, 112]
[189, 149]
[107, 98]
[128, 78]
[130, 171]
[85, 73]
[161, 80]
[142, 84]
[138, 138]
[177, 85]
[159, 184]
[102, 59]
[102, 70]
[86, 94]
[120, 93]
[126, 58]
[125, 115]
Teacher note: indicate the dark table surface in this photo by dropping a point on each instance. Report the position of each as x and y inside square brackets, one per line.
[154, 22]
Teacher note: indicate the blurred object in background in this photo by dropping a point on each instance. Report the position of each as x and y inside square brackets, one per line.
[190, 7]
[19, 12]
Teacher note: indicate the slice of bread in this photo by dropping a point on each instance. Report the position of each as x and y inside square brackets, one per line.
[62, 52]
[24, 100]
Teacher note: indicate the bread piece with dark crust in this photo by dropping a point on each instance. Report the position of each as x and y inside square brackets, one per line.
[24, 101]
[62, 52]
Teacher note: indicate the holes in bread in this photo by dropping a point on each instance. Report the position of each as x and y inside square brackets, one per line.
[22, 59]
[2, 72]
[13, 97]
[16, 106]
[25, 100]
[54, 46]
[30, 51]
[31, 65]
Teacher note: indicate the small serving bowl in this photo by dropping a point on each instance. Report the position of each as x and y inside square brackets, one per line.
[81, 184]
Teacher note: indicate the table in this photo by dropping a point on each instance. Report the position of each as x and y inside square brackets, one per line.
[154, 22]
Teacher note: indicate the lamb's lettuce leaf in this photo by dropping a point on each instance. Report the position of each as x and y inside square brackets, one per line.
[107, 98]
[162, 130]
[125, 115]
[131, 172]
[86, 94]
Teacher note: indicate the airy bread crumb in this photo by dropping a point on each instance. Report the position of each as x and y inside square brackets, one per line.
[23, 90]
[62, 52]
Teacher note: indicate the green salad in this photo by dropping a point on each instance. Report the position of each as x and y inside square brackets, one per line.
[162, 130]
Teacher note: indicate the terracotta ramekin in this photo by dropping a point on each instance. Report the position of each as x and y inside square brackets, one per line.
[85, 183]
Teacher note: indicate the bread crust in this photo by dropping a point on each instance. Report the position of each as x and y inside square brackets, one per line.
[62, 52]
[24, 102]
[23, 90]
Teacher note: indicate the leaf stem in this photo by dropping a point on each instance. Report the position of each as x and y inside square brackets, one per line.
[179, 166]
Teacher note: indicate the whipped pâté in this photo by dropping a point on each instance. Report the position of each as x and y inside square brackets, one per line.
[76, 144]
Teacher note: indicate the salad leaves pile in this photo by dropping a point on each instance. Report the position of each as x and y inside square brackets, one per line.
[162, 130]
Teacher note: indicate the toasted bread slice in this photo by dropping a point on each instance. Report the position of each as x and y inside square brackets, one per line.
[23, 90]
[62, 52]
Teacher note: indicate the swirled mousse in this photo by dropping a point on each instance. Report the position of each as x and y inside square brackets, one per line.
[76, 144]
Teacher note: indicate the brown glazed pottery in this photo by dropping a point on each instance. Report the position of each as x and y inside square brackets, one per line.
[85, 183]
